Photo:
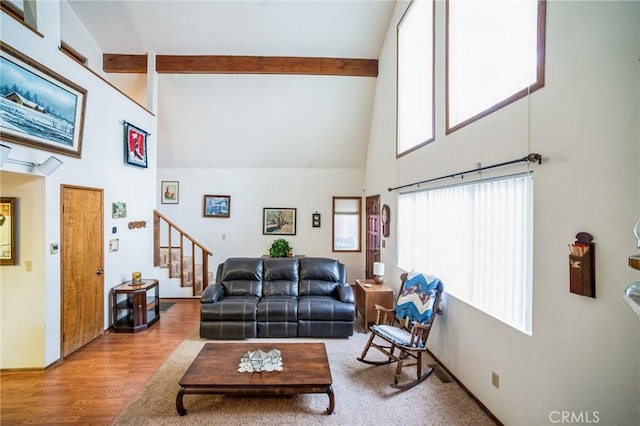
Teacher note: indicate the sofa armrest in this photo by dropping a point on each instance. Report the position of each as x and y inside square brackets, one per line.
[345, 293]
[212, 293]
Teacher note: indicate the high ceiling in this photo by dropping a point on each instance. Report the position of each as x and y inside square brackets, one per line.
[323, 28]
[318, 121]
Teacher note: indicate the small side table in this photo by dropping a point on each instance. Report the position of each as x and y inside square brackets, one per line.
[368, 296]
[135, 307]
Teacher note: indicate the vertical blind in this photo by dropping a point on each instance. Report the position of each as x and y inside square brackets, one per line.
[478, 239]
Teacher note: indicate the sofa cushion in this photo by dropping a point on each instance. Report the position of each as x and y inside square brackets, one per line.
[324, 308]
[242, 276]
[319, 276]
[280, 277]
[320, 268]
[231, 308]
[278, 308]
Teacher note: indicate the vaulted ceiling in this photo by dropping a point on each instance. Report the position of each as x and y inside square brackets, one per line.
[284, 121]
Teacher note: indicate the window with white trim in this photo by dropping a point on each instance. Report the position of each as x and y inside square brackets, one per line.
[478, 239]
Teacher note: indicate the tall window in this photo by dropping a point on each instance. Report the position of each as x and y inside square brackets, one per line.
[495, 55]
[22, 10]
[478, 239]
[415, 116]
[346, 223]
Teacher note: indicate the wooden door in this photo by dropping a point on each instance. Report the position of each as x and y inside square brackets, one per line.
[373, 234]
[82, 266]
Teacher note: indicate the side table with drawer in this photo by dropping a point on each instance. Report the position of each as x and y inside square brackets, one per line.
[368, 294]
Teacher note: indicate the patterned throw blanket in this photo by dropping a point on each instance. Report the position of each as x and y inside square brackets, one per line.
[417, 298]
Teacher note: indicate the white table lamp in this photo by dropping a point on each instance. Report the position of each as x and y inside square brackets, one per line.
[378, 272]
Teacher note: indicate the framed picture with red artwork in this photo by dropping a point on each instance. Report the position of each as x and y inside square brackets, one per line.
[135, 145]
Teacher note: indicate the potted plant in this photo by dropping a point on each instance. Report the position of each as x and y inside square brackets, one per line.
[280, 248]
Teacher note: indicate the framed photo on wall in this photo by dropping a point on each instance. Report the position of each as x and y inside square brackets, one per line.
[217, 206]
[8, 229]
[278, 221]
[39, 107]
[135, 145]
[169, 192]
[118, 210]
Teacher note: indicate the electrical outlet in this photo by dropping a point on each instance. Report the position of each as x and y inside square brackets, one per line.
[495, 380]
[28, 266]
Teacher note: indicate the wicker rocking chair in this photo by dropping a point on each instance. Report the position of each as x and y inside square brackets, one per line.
[401, 333]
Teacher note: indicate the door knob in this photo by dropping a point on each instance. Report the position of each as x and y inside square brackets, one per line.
[99, 272]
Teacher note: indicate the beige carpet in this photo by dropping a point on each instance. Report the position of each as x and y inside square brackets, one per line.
[362, 396]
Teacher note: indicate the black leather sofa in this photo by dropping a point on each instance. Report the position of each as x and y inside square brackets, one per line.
[278, 297]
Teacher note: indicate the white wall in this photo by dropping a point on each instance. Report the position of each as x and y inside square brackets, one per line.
[583, 354]
[101, 166]
[21, 342]
[307, 190]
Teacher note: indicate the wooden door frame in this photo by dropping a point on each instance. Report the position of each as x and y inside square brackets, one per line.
[375, 254]
[63, 187]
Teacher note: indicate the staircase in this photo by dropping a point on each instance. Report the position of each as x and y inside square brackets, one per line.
[186, 259]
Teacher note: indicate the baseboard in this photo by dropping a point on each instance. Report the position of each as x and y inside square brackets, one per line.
[453, 376]
[180, 298]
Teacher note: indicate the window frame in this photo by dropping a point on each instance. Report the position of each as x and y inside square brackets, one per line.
[333, 223]
[418, 217]
[538, 84]
[398, 92]
[13, 10]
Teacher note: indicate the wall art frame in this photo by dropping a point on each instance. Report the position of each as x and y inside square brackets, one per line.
[135, 145]
[8, 230]
[278, 221]
[217, 206]
[40, 108]
[118, 210]
[169, 192]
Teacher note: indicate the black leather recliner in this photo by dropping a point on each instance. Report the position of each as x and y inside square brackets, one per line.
[278, 297]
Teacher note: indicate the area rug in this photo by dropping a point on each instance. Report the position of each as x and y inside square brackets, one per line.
[164, 306]
[363, 395]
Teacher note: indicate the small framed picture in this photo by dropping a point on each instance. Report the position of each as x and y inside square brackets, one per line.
[118, 210]
[169, 192]
[217, 206]
[277, 221]
[135, 145]
[8, 228]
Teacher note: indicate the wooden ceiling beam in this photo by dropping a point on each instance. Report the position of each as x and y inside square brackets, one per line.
[116, 63]
[216, 64]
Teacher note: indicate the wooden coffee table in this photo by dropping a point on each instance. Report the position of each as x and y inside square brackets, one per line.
[305, 369]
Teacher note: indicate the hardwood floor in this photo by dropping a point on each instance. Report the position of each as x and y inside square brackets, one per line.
[92, 385]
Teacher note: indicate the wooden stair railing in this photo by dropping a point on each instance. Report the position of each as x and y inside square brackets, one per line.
[158, 219]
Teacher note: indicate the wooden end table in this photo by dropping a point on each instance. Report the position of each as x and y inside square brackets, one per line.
[136, 307]
[305, 369]
[368, 294]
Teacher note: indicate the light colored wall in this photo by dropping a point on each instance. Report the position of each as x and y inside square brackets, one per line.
[102, 166]
[307, 190]
[22, 329]
[583, 354]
